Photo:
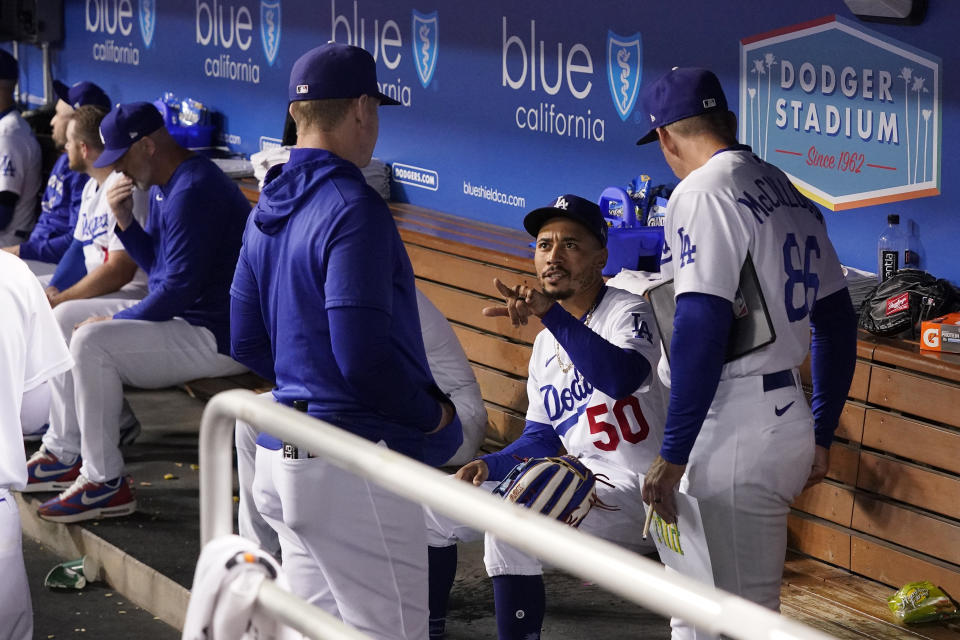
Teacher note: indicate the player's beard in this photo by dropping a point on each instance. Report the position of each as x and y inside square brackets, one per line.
[555, 292]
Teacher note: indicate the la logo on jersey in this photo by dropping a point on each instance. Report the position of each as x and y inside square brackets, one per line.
[687, 248]
[561, 204]
[7, 168]
[640, 328]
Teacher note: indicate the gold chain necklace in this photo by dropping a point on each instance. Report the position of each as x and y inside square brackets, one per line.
[566, 366]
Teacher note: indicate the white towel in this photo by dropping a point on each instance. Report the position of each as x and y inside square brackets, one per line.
[377, 173]
[636, 282]
[222, 601]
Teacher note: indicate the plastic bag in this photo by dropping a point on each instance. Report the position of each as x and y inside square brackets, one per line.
[921, 602]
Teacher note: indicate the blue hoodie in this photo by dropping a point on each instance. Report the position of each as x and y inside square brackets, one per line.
[324, 303]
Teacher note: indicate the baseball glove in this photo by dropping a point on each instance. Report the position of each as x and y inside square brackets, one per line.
[562, 488]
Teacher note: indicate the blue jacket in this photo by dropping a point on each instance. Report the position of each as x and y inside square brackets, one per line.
[189, 248]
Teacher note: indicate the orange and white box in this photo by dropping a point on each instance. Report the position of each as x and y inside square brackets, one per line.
[941, 334]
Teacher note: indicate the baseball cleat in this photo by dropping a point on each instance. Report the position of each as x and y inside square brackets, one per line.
[89, 500]
[45, 472]
[37, 435]
[129, 432]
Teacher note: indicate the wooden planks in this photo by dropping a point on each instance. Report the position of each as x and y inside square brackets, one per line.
[909, 438]
[467, 308]
[493, 351]
[919, 486]
[827, 500]
[918, 395]
[895, 565]
[462, 273]
[819, 538]
[847, 606]
[908, 527]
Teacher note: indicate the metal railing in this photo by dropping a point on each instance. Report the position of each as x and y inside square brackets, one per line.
[614, 568]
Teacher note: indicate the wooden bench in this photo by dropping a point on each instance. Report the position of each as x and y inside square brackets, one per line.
[890, 509]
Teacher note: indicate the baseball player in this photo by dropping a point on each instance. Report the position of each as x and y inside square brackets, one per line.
[178, 332]
[323, 297]
[61, 199]
[740, 434]
[19, 162]
[31, 351]
[96, 263]
[591, 390]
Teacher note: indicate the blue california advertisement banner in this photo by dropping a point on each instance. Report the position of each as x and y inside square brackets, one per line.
[498, 101]
[852, 116]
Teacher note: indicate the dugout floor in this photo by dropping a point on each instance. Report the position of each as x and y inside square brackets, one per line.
[149, 557]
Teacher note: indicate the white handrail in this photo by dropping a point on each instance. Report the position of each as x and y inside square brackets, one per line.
[617, 570]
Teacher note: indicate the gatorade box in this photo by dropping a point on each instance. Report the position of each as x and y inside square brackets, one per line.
[941, 334]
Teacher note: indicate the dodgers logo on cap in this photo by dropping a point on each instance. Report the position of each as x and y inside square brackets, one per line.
[425, 47]
[624, 70]
[270, 29]
[573, 207]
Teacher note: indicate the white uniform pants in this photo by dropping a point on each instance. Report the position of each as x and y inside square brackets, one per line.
[35, 409]
[250, 523]
[16, 611]
[87, 401]
[746, 468]
[623, 527]
[351, 548]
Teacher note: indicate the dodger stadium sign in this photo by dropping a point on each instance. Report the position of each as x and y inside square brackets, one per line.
[852, 116]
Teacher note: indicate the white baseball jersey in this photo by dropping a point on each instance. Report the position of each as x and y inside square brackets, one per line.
[734, 204]
[452, 372]
[626, 431]
[19, 174]
[32, 350]
[96, 222]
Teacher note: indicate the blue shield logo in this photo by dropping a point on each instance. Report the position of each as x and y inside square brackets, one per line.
[425, 27]
[148, 20]
[624, 68]
[270, 28]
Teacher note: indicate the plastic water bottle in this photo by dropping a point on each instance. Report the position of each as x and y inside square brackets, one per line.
[892, 252]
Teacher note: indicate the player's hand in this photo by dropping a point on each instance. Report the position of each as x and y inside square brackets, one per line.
[92, 320]
[14, 249]
[475, 472]
[52, 293]
[120, 199]
[660, 486]
[821, 462]
[520, 303]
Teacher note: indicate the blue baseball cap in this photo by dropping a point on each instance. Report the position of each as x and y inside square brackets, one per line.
[123, 126]
[82, 93]
[684, 92]
[333, 71]
[581, 210]
[9, 70]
